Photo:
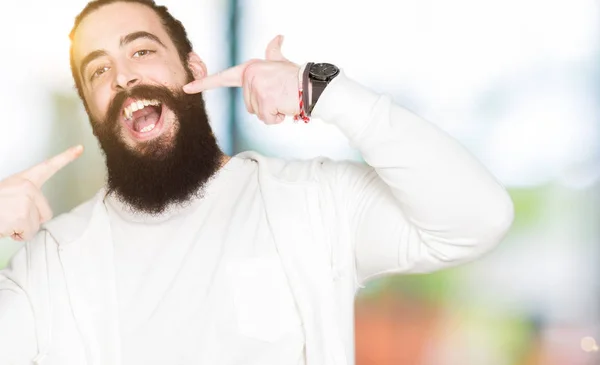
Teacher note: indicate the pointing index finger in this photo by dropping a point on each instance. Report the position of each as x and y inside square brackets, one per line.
[40, 173]
[231, 77]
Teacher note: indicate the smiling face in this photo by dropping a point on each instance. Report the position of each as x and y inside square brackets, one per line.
[157, 140]
[118, 47]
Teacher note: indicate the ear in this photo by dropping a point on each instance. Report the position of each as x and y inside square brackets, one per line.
[197, 66]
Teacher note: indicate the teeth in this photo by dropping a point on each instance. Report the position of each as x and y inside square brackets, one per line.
[148, 128]
[138, 105]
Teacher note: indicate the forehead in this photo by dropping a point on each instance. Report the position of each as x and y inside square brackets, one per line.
[103, 28]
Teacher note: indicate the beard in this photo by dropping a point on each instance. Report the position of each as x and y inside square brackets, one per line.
[169, 170]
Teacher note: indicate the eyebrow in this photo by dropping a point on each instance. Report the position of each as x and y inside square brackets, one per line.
[125, 40]
[89, 58]
[137, 35]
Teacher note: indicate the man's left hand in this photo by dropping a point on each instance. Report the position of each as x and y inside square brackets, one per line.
[270, 87]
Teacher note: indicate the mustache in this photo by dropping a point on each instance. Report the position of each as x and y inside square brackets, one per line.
[150, 92]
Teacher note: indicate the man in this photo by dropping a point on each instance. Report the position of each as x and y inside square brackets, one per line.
[189, 256]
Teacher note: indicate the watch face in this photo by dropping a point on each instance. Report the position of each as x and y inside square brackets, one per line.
[323, 71]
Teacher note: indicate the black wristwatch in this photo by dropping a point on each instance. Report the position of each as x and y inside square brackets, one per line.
[319, 75]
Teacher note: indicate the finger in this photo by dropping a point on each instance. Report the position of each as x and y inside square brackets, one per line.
[231, 77]
[269, 117]
[39, 174]
[263, 115]
[254, 103]
[31, 226]
[273, 52]
[279, 118]
[17, 235]
[22, 229]
[43, 207]
[246, 89]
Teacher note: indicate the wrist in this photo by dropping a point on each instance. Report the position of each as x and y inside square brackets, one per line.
[306, 87]
[316, 78]
[303, 94]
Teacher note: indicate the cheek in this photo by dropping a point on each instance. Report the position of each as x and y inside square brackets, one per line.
[171, 74]
[98, 103]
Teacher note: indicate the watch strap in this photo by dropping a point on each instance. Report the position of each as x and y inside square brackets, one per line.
[305, 90]
[318, 87]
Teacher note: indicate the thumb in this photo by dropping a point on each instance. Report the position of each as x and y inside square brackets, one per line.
[273, 52]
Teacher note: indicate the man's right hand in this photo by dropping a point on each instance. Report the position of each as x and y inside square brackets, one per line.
[23, 207]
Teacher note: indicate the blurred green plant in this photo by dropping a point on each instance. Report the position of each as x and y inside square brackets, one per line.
[529, 205]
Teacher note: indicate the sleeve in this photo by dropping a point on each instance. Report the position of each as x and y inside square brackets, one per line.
[422, 202]
[18, 344]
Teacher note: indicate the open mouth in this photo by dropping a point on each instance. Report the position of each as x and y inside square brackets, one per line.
[143, 118]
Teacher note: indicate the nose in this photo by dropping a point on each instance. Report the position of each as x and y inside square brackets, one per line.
[126, 78]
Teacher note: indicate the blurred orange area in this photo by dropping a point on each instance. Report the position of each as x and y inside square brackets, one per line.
[391, 331]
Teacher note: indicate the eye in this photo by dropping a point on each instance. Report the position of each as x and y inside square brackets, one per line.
[99, 72]
[142, 53]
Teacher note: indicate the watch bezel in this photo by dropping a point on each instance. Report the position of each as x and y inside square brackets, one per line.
[320, 77]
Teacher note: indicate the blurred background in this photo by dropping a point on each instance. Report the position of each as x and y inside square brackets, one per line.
[516, 81]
